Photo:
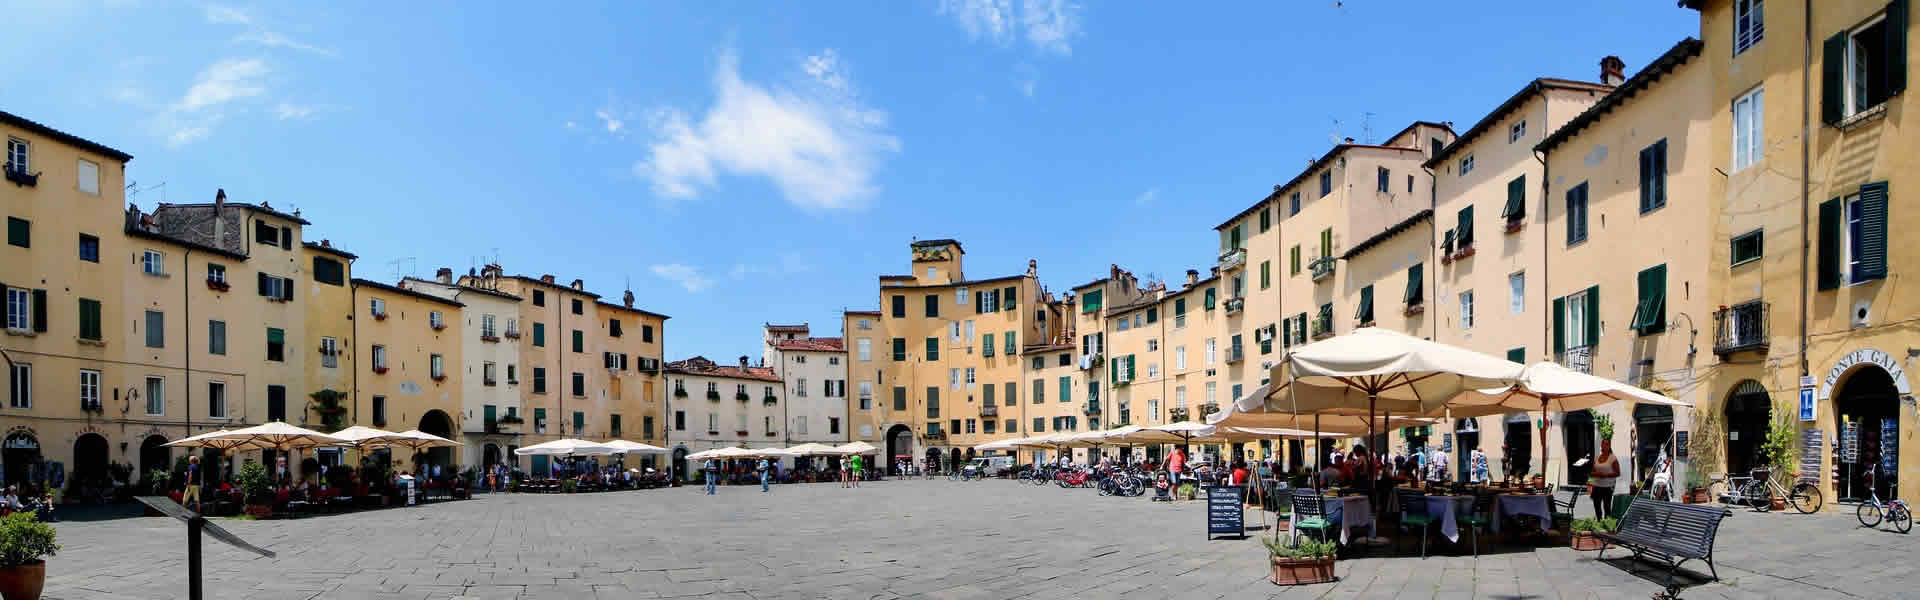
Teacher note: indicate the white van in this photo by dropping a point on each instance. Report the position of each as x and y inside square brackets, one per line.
[993, 466]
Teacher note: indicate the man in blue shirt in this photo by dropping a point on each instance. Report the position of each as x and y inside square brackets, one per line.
[763, 474]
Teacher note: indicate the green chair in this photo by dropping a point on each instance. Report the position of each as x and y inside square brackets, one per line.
[1620, 504]
[1480, 518]
[1413, 513]
[1310, 513]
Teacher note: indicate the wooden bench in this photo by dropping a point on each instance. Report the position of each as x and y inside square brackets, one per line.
[1673, 533]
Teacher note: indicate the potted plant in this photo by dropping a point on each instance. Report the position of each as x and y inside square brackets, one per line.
[1696, 487]
[23, 541]
[1536, 480]
[1779, 450]
[1583, 538]
[1301, 562]
[257, 488]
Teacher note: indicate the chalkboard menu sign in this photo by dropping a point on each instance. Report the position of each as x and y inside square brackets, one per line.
[1680, 444]
[1446, 442]
[1850, 442]
[1810, 442]
[1889, 446]
[1224, 512]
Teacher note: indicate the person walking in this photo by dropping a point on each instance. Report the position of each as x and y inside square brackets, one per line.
[192, 494]
[764, 471]
[1175, 463]
[1606, 473]
[846, 472]
[1478, 471]
[712, 470]
[859, 463]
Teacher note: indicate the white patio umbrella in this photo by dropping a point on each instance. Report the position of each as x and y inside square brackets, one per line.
[1007, 444]
[565, 447]
[1547, 386]
[851, 448]
[217, 440]
[364, 438]
[813, 449]
[626, 447]
[280, 436]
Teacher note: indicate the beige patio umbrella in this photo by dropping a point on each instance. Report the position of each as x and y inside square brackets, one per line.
[281, 436]
[218, 440]
[1548, 386]
[561, 447]
[361, 437]
[852, 448]
[626, 447]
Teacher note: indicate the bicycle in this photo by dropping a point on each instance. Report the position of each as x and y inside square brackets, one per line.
[1873, 509]
[1759, 489]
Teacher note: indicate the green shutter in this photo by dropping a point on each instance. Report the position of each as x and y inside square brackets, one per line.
[276, 336]
[986, 344]
[1873, 232]
[1009, 298]
[488, 414]
[933, 349]
[1179, 306]
[1518, 355]
[579, 421]
[1300, 326]
[89, 319]
[1516, 199]
[1326, 243]
[1593, 316]
[1415, 286]
[1066, 389]
[1465, 235]
[1559, 325]
[1153, 314]
[1012, 346]
[539, 334]
[1130, 373]
[1446, 243]
[1896, 52]
[899, 349]
[1829, 251]
[1266, 274]
[1090, 301]
[1649, 312]
[1833, 79]
[1365, 315]
[1209, 301]
[1296, 260]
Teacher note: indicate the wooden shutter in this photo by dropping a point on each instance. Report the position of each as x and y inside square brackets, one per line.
[286, 238]
[1300, 326]
[1593, 316]
[1208, 300]
[1646, 178]
[264, 284]
[1833, 79]
[1009, 298]
[40, 311]
[1365, 313]
[1559, 325]
[1829, 250]
[1516, 199]
[286, 289]
[1130, 373]
[1896, 51]
[1415, 287]
[1179, 306]
[1466, 226]
[1066, 389]
[1012, 346]
[1518, 355]
[986, 344]
[1873, 232]
[978, 302]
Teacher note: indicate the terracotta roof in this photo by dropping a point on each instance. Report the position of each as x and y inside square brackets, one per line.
[1678, 55]
[1505, 108]
[624, 307]
[62, 136]
[705, 368]
[358, 282]
[816, 344]
[315, 246]
[800, 327]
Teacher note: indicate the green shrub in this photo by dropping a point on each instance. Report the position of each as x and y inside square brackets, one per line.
[1592, 525]
[1301, 548]
[24, 539]
[255, 483]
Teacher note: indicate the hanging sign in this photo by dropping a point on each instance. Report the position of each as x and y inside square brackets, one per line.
[1446, 442]
[1850, 442]
[1806, 404]
[1680, 444]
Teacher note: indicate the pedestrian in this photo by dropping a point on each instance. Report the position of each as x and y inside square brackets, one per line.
[1477, 465]
[764, 471]
[712, 470]
[846, 473]
[192, 494]
[1606, 472]
[1175, 463]
[857, 464]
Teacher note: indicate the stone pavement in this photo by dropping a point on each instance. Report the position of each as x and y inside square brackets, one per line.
[899, 539]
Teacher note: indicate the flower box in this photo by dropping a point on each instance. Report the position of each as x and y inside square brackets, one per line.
[439, 378]
[379, 316]
[742, 396]
[715, 396]
[741, 433]
[439, 327]
[770, 400]
[1586, 541]
[218, 286]
[1414, 309]
[1463, 253]
[513, 334]
[1515, 226]
[380, 370]
[1302, 571]
[490, 339]
[1446, 259]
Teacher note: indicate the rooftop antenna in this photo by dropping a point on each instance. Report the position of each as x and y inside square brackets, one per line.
[1366, 128]
[398, 271]
[1334, 137]
[134, 189]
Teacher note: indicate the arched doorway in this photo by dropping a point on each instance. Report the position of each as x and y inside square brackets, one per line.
[1652, 431]
[953, 459]
[90, 463]
[899, 443]
[1868, 398]
[1517, 454]
[489, 456]
[680, 464]
[155, 455]
[438, 423]
[22, 452]
[1749, 410]
[1466, 437]
[933, 459]
[1580, 439]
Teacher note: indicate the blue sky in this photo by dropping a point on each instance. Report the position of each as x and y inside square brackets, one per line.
[745, 162]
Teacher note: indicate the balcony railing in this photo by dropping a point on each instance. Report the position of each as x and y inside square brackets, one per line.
[21, 176]
[936, 435]
[1233, 259]
[1092, 407]
[1091, 361]
[1177, 415]
[1322, 269]
[1322, 328]
[1740, 328]
[1209, 408]
[989, 410]
[1579, 359]
[1236, 354]
[1235, 305]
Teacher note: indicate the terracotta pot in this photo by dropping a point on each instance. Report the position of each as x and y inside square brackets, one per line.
[260, 511]
[23, 582]
[1301, 571]
[1283, 524]
[1779, 503]
[1585, 541]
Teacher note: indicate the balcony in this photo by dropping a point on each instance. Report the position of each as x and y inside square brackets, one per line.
[21, 176]
[714, 395]
[1235, 305]
[1177, 415]
[934, 436]
[1322, 328]
[989, 410]
[769, 401]
[1740, 328]
[1209, 408]
[1092, 408]
[1236, 354]
[742, 396]
[1322, 269]
[1233, 259]
[1579, 360]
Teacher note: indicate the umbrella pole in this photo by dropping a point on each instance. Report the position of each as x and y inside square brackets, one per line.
[1543, 440]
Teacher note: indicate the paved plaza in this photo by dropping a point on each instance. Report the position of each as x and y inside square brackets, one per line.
[898, 539]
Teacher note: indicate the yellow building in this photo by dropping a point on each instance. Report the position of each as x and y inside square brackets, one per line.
[723, 406]
[867, 352]
[409, 344]
[329, 328]
[63, 278]
[490, 363]
[1812, 297]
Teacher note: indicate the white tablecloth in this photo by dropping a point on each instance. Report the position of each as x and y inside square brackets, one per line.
[1349, 512]
[1445, 508]
[1537, 505]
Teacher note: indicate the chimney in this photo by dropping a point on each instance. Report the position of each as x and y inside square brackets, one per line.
[219, 218]
[443, 275]
[1033, 268]
[627, 298]
[546, 279]
[1613, 71]
[579, 285]
[1349, 140]
[743, 362]
[1193, 277]
[326, 243]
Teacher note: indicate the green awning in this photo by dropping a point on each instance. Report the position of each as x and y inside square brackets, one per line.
[276, 336]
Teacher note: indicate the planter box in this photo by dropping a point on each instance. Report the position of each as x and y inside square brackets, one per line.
[1415, 309]
[1516, 226]
[1584, 541]
[260, 511]
[1302, 571]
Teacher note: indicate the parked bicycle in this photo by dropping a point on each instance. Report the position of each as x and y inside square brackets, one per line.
[1759, 489]
[1873, 510]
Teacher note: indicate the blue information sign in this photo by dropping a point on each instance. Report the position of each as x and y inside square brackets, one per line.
[1806, 404]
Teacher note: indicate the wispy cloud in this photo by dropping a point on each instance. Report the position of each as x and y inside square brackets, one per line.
[288, 111]
[1147, 197]
[687, 276]
[226, 80]
[790, 263]
[187, 134]
[815, 140]
[1050, 25]
[276, 40]
[613, 123]
[227, 15]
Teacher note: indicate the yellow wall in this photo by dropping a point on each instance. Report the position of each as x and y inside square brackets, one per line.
[410, 391]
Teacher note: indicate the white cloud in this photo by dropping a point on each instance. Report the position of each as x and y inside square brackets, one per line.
[187, 135]
[790, 263]
[815, 140]
[288, 111]
[1147, 197]
[1050, 25]
[570, 125]
[229, 79]
[688, 277]
[613, 122]
[225, 15]
[276, 40]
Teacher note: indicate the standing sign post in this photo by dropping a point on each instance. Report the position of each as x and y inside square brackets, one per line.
[197, 525]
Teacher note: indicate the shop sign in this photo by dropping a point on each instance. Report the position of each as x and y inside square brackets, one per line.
[1680, 444]
[1806, 404]
[1883, 360]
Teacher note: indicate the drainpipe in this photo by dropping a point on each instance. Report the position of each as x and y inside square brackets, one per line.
[1806, 193]
[187, 339]
[1433, 241]
[1546, 293]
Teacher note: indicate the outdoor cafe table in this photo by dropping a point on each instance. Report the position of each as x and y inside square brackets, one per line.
[1537, 505]
[1339, 508]
[1446, 508]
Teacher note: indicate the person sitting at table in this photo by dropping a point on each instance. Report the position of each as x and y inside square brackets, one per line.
[1330, 475]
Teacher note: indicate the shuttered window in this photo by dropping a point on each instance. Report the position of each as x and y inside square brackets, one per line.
[933, 348]
[1365, 314]
[1415, 287]
[1577, 214]
[1653, 176]
[899, 349]
[1464, 233]
[1650, 308]
[986, 344]
[1208, 300]
[1516, 208]
[1518, 355]
[1853, 237]
[89, 319]
[1748, 247]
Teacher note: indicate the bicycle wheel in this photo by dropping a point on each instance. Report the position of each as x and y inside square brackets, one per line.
[1716, 490]
[1902, 519]
[1805, 498]
[1869, 515]
[1756, 494]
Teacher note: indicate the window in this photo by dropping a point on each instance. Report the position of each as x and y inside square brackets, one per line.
[899, 398]
[1466, 309]
[1576, 320]
[969, 337]
[933, 305]
[1748, 26]
[1066, 359]
[539, 298]
[1516, 208]
[579, 385]
[866, 349]
[1293, 203]
[986, 301]
[329, 271]
[379, 358]
[216, 400]
[1011, 345]
[216, 273]
[1326, 243]
[19, 232]
[613, 328]
[930, 272]
[1090, 301]
[1748, 247]
[1211, 388]
[156, 393]
[960, 296]
[1153, 370]
[1650, 308]
[1653, 176]
[1409, 184]
[1266, 274]
[1039, 425]
[1385, 177]
[513, 376]
[90, 391]
[153, 263]
[1123, 325]
[579, 341]
[1748, 138]
[486, 326]
[1066, 388]
[899, 307]
[899, 349]
[933, 349]
[435, 321]
[156, 329]
[89, 248]
[1294, 256]
[1853, 237]
[1577, 214]
[866, 395]
[1039, 391]
[90, 328]
[864, 324]
[1179, 358]
[217, 337]
[1362, 316]
[276, 288]
[1326, 183]
[1517, 131]
[578, 306]
[540, 334]
[1517, 292]
[489, 373]
[20, 385]
[276, 403]
[1466, 165]
[1266, 220]
[1463, 234]
[276, 344]
[1213, 349]
[713, 423]
[933, 402]
[800, 387]
[679, 420]
[436, 366]
[17, 156]
[580, 422]
[646, 334]
[377, 307]
[986, 345]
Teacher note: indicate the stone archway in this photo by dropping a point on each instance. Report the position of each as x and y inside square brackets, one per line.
[438, 423]
[90, 456]
[1466, 437]
[1749, 411]
[1868, 397]
[899, 443]
[155, 455]
[21, 452]
[680, 464]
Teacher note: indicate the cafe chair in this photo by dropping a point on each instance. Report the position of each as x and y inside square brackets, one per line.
[1480, 518]
[1413, 513]
[1310, 513]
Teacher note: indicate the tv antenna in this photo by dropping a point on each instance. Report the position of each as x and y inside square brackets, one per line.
[1334, 137]
[401, 273]
[134, 189]
[1366, 127]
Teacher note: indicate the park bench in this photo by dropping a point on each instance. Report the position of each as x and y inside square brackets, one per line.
[1671, 532]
